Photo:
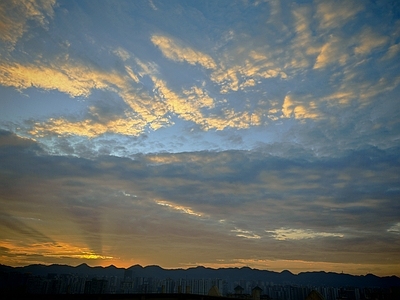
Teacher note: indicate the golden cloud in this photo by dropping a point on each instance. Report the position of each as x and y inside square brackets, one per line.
[78, 81]
[186, 108]
[154, 111]
[18, 251]
[74, 80]
[292, 108]
[190, 109]
[174, 51]
[256, 66]
[127, 126]
[331, 52]
[15, 14]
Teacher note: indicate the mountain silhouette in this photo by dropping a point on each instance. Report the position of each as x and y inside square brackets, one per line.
[320, 278]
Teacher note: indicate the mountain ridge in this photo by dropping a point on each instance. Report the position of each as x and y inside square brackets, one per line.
[317, 278]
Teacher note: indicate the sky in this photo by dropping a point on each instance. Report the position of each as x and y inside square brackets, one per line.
[215, 133]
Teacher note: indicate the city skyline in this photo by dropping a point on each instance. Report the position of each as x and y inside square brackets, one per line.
[201, 133]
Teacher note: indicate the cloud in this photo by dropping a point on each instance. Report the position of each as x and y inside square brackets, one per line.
[128, 126]
[8, 139]
[337, 13]
[18, 227]
[187, 109]
[273, 139]
[245, 234]
[392, 52]
[24, 254]
[121, 53]
[395, 228]
[181, 53]
[256, 65]
[181, 199]
[152, 5]
[332, 53]
[292, 108]
[75, 80]
[15, 16]
[304, 46]
[369, 41]
[283, 234]
[197, 94]
[194, 105]
[78, 80]
[180, 208]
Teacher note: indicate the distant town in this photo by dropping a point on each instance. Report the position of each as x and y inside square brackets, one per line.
[35, 281]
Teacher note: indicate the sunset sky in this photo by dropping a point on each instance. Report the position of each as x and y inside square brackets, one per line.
[217, 133]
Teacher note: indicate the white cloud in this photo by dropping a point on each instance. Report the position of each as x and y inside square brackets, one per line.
[395, 228]
[283, 234]
[121, 53]
[245, 234]
[180, 208]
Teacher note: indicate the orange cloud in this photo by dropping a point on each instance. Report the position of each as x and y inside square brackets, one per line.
[17, 251]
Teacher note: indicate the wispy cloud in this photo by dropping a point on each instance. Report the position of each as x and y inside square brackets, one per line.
[245, 234]
[255, 66]
[332, 52]
[395, 228]
[336, 13]
[370, 40]
[181, 53]
[183, 209]
[304, 46]
[283, 234]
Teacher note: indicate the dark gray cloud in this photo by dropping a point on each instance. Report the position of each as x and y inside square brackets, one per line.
[340, 209]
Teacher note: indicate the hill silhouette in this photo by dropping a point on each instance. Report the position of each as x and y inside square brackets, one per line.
[320, 278]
